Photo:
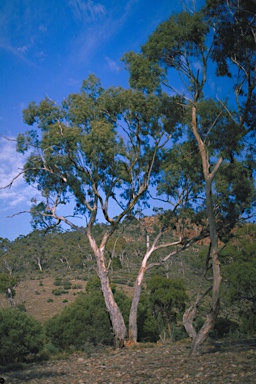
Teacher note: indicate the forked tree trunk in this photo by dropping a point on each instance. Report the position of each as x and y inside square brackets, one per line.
[133, 328]
[116, 318]
[117, 321]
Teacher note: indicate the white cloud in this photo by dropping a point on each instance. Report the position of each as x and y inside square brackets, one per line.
[20, 193]
[112, 64]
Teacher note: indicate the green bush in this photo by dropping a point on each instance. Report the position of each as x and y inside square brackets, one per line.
[50, 301]
[85, 321]
[67, 284]
[57, 282]
[160, 309]
[59, 291]
[22, 337]
[223, 327]
[77, 286]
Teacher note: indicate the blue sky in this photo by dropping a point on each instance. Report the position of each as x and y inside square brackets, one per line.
[47, 47]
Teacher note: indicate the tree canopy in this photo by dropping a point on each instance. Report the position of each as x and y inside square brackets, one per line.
[99, 155]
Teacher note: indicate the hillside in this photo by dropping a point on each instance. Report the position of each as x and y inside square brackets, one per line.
[50, 270]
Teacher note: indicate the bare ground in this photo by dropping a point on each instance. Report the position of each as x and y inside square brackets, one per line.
[39, 300]
[139, 365]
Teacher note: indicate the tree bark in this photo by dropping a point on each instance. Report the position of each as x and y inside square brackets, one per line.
[203, 333]
[116, 318]
[133, 327]
[213, 313]
[117, 321]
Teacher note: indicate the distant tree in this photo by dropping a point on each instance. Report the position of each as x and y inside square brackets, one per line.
[7, 286]
[11, 258]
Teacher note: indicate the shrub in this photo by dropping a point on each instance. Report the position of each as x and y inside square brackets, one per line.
[59, 291]
[77, 286]
[67, 284]
[22, 337]
[85, 321]
[223, 327]
[160, 308]
[50, 301]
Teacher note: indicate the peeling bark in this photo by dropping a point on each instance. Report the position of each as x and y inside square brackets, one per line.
[116, 318]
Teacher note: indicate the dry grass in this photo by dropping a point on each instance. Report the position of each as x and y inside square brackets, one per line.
[36, 295]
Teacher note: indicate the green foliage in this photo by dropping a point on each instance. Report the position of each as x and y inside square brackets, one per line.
[85, 155]
[170, 42]
[79, 151]
[85, 321]
[49, 300]
[224, 327]
[22, 337]
[239, 271]
[93, 285]
[234, 37]
[160, 308]
[59, 291]
[116, 264]
[240, 264]
[7, 281]
[167, 296]
[145, 76]
[67, 284]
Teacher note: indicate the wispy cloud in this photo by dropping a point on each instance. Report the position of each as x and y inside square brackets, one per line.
[11, 165]
[112, 64]
[87, 10]
[93, 37]
[20, 28]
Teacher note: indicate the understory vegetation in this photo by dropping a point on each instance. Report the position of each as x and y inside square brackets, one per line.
[85, 325]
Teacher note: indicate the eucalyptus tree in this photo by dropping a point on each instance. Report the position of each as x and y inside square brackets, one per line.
[92, 158]
[180, 56]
